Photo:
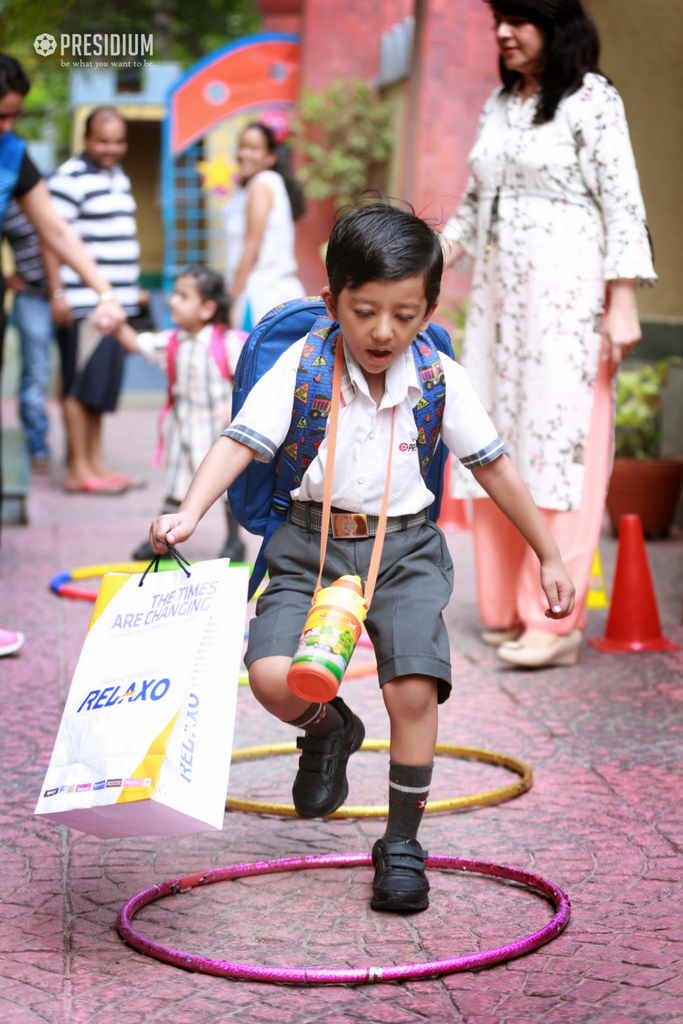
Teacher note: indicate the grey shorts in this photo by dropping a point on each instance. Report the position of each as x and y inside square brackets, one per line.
[405, 621]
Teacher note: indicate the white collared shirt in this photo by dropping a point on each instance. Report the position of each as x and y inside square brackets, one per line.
[364, 432]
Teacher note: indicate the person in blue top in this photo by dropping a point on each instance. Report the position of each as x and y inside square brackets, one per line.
[384, 266]
[20, 178]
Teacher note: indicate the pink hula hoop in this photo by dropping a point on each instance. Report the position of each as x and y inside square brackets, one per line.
[340, 976]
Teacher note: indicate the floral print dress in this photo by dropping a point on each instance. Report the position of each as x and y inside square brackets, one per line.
[569, 217]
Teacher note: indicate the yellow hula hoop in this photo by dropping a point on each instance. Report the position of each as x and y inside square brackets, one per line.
[492, 796]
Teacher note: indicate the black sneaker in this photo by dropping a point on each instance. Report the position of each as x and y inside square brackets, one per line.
[321, 786]
[400, 882]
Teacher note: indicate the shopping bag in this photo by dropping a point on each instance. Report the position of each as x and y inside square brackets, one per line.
[145, 740]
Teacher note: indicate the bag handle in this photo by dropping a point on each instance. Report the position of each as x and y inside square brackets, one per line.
[173, 553]
[376, 556]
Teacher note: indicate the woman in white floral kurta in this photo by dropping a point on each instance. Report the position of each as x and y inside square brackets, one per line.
[551, 214]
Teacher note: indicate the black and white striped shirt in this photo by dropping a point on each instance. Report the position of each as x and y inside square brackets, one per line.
[23, 238]
[99, 206]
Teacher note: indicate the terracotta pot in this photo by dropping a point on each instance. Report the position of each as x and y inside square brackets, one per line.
[647, 487]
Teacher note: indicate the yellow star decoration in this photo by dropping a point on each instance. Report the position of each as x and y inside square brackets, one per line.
[216, 174]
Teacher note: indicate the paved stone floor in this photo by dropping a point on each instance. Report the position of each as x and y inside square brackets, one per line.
[602, 820]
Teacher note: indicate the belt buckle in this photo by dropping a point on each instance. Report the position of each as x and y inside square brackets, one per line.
[349, 525]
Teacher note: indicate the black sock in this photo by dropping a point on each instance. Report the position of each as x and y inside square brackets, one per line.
[408, 791]
[319, 720]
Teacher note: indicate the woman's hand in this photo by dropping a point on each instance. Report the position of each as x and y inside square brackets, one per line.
[622, 327]
[452, 251]
[108, 316]
[171, 529]
[558, 588]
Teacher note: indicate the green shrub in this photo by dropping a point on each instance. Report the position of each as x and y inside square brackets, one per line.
[638, 418]
[345, 140]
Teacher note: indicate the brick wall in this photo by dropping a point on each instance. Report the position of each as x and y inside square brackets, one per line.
[341, 38]
[457, 71]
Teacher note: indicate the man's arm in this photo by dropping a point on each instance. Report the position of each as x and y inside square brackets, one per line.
[225, 460]
[504, 485]
[57, 234]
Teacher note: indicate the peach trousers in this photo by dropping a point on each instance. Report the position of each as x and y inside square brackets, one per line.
[508, 573]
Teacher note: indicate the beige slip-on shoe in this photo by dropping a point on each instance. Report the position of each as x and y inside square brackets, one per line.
[496, 637]
[564, 651]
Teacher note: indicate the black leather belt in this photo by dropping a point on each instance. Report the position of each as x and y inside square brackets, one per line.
[349, 525]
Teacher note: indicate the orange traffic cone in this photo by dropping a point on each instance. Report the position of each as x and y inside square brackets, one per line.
[633, 623]
[456, 513]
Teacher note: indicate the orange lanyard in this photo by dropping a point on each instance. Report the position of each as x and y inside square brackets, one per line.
[376, 556]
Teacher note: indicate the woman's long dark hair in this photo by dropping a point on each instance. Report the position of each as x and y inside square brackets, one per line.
[572, 48]
[281, 165]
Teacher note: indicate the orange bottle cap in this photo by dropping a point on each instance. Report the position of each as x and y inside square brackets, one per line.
[349, 583]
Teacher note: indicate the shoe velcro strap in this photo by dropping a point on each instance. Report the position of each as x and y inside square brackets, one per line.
[317, 744]
[400, 850]
[316, 763]
[394, 860]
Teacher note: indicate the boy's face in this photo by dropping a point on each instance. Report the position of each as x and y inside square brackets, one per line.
[380, 319]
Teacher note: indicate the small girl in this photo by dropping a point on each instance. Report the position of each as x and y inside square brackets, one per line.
[199, 356]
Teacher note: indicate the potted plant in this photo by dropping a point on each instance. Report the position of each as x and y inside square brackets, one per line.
[642, 482]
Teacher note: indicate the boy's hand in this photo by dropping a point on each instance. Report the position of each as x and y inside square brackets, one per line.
[171, 529]
[558, 588]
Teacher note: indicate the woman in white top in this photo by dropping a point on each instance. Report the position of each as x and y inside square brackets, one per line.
[259, 230]
[554, 223]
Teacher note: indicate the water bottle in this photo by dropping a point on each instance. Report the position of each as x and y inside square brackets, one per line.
[333, 627]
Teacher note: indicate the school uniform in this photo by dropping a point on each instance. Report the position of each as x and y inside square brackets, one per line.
[201, 396]
[415, 578]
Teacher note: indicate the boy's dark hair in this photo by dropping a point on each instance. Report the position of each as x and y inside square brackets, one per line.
[376, 241]
[13, 78]
[295, 192]
[211, 288]
[571, 50]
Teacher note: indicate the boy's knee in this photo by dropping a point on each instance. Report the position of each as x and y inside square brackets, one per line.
[268, 679]
[410, 696]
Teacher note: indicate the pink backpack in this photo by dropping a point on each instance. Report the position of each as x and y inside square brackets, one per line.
[220, 357]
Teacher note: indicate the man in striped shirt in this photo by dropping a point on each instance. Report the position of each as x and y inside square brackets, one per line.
[92, 193]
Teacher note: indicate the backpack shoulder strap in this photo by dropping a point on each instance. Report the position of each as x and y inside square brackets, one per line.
[218, 351]
[171, 360]
[312, 403]
[429, 410]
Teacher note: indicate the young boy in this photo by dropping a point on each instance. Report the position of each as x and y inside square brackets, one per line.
[384, 266]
